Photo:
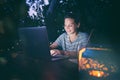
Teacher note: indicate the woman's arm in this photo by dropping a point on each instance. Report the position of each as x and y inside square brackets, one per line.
[55, 52]
[53, 46]
[70, 53]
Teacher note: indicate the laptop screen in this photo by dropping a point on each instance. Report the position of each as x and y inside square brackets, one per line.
[35, 42]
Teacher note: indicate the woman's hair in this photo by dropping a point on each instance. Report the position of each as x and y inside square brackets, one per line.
[72, 16]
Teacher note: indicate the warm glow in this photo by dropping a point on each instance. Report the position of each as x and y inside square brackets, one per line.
[80, 52]
[97, 73]
[93, 48]
[94, 67]
[80, 55]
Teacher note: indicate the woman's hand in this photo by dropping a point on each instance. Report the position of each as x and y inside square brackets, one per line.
[55, 52]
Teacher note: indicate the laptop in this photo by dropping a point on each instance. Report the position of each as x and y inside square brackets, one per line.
[35, 43]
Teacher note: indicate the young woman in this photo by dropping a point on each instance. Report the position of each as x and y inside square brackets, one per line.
[72, 40]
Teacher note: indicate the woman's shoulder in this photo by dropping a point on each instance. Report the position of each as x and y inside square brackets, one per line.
[63, 34]
[83, 33]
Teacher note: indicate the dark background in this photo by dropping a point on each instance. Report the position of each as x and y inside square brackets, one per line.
[97, 15]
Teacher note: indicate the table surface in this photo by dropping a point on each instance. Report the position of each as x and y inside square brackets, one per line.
[22, 68]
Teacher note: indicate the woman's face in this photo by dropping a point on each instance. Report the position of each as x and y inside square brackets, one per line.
[70, 26]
